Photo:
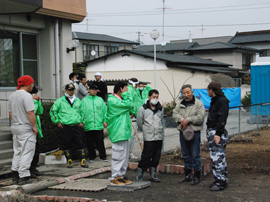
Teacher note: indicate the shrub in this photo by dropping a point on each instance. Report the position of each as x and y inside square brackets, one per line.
[246, 100]
[51, 139]
[224, 80]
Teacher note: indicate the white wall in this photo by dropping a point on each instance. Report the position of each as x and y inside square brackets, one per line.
[119, 67]
[260, 47]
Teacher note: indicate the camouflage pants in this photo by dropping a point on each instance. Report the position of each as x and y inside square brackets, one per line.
[217, 155]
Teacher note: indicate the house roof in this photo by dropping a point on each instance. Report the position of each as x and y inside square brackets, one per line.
[221, 46]
[181, 61]
[167, 47]
[100, 37]
[206, 40]
[251, 37]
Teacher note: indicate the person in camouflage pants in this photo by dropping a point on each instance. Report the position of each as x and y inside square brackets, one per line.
[217, 135]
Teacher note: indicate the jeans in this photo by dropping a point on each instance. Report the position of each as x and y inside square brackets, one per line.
[191, 151]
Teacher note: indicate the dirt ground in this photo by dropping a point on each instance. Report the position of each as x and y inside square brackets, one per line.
[248, 158]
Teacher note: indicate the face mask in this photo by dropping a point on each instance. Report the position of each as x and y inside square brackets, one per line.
[154, 101]
[141, 88]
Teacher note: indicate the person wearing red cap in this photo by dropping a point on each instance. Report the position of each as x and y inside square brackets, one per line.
[22, 113]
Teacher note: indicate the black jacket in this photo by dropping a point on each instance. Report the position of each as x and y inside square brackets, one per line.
[218, 114]
[102, 87]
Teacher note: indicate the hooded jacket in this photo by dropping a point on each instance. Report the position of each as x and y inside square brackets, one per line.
[150, 122]
[136, 99]
[94, 113]
[193, 112]
[38, 111]
[144, 93]
[119, 122]
[64, 113]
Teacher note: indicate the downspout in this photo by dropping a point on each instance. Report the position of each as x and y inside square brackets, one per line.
[57, 59]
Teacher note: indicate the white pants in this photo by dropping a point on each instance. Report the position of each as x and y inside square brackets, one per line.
[24, 144]
[120, 156]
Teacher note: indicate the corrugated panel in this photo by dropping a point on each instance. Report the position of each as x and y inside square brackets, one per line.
[260, 88]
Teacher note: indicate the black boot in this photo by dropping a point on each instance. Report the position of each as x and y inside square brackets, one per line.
[139, 174]
[69, 159]
[196, 178]
[188, 175]
[153, 175]
[15, 177]
[83, 161]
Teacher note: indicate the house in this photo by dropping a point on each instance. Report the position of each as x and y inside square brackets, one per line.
[92, 45]
[254, 39]
[238, 56]
[172, 70]
[34, 38]
[206, 40]
[169, 48]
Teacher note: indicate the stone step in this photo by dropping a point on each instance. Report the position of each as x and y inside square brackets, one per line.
[6, 154]
[5, 162]
[5, 136]
[6, 145]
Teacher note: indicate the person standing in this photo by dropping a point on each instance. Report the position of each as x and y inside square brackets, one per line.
[73, 79]
[102, 86]
[83, 88]
[119, 130]
[38, 111]
[149, 120]
[65, 112]
[143, 90]
[24, 129]
[190, 112]
[136, 104]
[94, 118]
[217, 135]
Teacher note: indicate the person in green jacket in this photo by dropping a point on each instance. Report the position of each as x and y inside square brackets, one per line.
[66, 113]
[136, 104]
[38, 111]
[143, 90]
[119, 129]
[94, 112]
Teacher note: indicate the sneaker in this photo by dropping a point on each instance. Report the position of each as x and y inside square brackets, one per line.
[216, 187]
[126, 181]
[24, 180]
[69, 163]
[36, 173]
[132, 156]
[83, 164]
[117, 182]
[105, 160]
[92, 161]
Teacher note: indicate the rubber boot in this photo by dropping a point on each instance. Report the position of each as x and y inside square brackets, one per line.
[188, 175]
[69, 160]
[139, 174]
[15, 177]
[153, 176]
[83, 161]
[196, 178]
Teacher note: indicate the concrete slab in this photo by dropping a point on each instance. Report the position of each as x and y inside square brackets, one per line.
[136, 185]
[92, 185]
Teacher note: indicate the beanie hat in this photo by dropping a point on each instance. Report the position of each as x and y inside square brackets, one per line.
[25, 80]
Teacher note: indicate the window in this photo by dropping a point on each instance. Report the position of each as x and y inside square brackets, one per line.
[247, 59]
[110, 49]
[88, 50]
[18, 56]
[265, 53]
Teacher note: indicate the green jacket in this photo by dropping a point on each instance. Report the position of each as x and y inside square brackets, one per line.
[119, 122]
[145, 93]
[94, 113]
[62, 112]
[136, 100]
[38, 111]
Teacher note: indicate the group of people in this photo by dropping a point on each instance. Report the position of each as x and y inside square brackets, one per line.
[132, 107]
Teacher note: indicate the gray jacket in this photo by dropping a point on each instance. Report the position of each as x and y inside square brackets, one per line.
[82, 91]
[150, 122]
[194, 113]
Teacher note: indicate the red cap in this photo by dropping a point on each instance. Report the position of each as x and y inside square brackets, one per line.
[25, 80]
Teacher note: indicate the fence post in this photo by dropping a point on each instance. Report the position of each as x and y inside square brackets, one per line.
[239, 118]
[258, 107]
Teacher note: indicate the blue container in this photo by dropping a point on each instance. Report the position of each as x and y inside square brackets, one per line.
[260, 88]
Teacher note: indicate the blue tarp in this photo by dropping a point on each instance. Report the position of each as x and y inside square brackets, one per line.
[233, 94]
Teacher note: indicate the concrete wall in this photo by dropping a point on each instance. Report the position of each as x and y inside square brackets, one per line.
[118, 67]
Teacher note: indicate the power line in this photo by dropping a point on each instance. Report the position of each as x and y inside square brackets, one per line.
[182, 11]
[214, 25]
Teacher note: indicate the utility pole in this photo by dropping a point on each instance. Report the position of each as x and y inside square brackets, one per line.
[190, 39]
[202, 29]
[163, 18]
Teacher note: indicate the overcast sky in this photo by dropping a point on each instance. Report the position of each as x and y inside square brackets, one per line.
[125, 18]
